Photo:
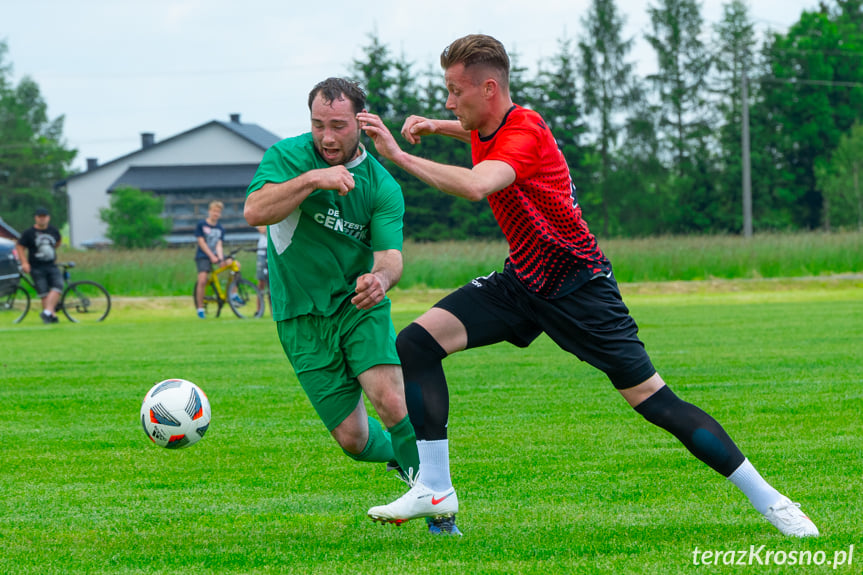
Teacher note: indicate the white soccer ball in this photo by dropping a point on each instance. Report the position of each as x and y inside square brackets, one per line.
[175, 413]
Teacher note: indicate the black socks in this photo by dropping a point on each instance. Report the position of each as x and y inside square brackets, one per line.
[425, 384]
[701, 434]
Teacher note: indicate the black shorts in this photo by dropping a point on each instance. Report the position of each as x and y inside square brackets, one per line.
[203, 265]
[592, 322]
[46, 278]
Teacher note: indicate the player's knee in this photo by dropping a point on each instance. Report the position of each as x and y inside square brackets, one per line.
[415, 345]
[351, 444]
[660, 408]
[390, 406]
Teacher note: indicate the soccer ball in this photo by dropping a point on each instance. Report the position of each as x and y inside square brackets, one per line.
[175, 413]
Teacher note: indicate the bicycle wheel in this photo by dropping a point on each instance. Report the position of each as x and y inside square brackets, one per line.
[14, 307]
[245, 298]
[210, 298]
[85, 302]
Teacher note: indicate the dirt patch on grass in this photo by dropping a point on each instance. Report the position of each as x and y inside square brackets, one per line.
[845, 281]
[423, 298]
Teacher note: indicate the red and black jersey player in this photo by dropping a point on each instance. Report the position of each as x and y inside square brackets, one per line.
[556, 280]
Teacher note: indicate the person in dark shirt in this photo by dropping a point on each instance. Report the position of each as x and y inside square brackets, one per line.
[37, 251]
[209, 237]
[556, 280]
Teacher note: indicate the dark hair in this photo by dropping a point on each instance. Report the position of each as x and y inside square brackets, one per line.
[474, 50]
[333, 89]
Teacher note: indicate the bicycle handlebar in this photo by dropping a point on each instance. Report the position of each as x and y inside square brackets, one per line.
[63, 265]
[235, 251]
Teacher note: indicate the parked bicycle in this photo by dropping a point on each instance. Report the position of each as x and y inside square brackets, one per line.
[82, 301]
[243, 296]
[265, 294]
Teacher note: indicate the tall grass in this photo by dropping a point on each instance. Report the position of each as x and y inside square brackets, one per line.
[450, 264]
[733, 257]
[154, 272]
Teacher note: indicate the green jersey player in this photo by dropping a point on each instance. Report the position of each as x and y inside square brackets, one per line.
[335, 218]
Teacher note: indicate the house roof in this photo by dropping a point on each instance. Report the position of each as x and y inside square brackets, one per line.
[10, 231]
[251, 132]
[194, 177]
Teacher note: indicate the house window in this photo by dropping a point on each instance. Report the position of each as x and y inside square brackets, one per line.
[186, 208]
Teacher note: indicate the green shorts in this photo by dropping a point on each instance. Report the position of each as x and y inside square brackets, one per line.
[328, 353]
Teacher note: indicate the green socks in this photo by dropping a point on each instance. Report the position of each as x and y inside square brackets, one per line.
[379, 447]
[404, 442]
[399, 444]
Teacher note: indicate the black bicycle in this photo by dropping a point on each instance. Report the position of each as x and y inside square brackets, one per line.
[14, 302]
[82, 301]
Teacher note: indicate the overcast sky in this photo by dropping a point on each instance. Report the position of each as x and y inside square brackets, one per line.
[116, 68]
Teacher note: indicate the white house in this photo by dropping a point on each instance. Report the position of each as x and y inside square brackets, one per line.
[214, 161]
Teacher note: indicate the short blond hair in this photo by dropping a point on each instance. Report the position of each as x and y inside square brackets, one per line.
[217, 204]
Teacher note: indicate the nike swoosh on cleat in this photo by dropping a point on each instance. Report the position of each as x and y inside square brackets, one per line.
[435, 500]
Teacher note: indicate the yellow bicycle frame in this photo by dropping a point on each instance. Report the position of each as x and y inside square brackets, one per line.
[233, 268]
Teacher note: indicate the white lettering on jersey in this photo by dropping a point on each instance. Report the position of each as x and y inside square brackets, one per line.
[332, 220]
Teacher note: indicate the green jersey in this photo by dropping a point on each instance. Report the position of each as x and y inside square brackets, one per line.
[316, 254]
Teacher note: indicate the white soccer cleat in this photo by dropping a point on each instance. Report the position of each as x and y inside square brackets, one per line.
[419, 501]
[786, 516]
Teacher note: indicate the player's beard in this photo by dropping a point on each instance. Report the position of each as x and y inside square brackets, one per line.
[353, 153]
[350, 155]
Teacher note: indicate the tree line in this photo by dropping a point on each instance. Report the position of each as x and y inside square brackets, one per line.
[33, 155]
[654, 155]
[664, 154]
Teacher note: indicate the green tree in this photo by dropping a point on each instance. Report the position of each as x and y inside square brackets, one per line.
[841, 182]
[609, 87]
[681, 80]
[134, 219]
[433, 93]
[405, 98]
[686, 119]
[33, 155]
[639, 169]
[375, 75]
[523, 90]
[812, 98]
[735, 49]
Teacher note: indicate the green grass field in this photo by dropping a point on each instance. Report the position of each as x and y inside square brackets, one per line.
[555, 474]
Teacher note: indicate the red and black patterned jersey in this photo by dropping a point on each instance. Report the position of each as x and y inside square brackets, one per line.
[551, 249]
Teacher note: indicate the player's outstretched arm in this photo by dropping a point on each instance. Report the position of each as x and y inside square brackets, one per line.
[471, 184]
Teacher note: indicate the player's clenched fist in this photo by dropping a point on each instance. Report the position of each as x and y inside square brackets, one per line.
[336, 178]
[370, 291]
